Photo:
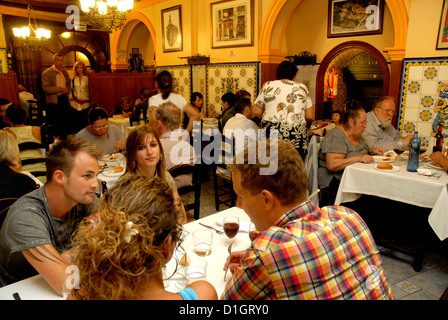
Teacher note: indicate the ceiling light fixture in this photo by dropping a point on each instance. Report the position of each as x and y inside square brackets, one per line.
[107, 14]
[31, 36]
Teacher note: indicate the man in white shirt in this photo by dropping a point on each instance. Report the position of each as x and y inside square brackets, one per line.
[379, 132]
[241, 126]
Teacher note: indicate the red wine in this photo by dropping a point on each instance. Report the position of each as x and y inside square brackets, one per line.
[231, 229]
[253, 234]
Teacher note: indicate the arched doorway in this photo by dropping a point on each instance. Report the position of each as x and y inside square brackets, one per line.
[342, 57]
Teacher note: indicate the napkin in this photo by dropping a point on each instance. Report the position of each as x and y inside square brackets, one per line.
[428, 173]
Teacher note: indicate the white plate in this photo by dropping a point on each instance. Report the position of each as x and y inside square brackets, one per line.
[425, 158]
[394, 169]
[110, 172]
[113, 157]
[434, 166]
[383, 159]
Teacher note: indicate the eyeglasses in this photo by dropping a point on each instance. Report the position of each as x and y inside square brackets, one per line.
[100, 128]
[392, 112]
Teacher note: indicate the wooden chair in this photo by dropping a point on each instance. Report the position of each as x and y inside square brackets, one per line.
[31, 146]
[222, 179]
[195, 171]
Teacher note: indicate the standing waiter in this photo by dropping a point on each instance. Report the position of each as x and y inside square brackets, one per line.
[56, 84]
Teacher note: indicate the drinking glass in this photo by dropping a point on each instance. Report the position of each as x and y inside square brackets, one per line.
[253, 232]
[399, 149]
[196, 270]
[231, 227]
[202, 240]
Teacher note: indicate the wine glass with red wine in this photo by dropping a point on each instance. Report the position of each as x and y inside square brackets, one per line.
[231, 227]
[253, 232]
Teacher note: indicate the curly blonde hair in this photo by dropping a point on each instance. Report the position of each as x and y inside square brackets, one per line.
[110, 267]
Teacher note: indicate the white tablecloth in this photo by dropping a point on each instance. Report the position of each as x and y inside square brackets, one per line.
[36, 288]
[121, 123]
[402, 186]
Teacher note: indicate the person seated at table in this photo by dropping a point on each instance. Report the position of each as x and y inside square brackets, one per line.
[241, 125]
[145, 157]
[228, 111]
[164, 84]
[176, 150]
[336, 116]
[197, 101]
[440, 159]
[125, 108]
[142, 96]
[343, 146]
[141, 108]
[13, 184]
[108, 137]
[302, 251]
[4, 104]
[380, 133]
[35, 236]
[15, 116]
[140, 214]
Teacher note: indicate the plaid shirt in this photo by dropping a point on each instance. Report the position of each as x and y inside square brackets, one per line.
[312, 253]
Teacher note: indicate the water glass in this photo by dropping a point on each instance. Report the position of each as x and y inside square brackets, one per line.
[202, 240]
[196, 270]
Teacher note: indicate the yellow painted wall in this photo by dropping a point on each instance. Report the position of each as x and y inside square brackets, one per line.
[424, 20]
[307, 31]
[2, 34]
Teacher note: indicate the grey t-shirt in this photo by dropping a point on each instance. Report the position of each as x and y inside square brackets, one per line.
[336, 142]
[107, 141]
[28, 224]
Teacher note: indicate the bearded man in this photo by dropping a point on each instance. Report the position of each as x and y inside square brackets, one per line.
[379, 132]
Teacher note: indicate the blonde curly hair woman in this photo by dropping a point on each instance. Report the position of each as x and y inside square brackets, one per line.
[121, 251]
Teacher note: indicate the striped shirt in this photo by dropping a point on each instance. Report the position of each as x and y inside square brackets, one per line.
[312, 253]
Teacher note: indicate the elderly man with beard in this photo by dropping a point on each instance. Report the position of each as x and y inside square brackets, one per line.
[379, 132]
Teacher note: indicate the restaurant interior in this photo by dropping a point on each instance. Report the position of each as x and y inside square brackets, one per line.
[402, 54]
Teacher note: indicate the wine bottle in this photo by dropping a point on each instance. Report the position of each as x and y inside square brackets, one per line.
[414, 150]
[438, 140]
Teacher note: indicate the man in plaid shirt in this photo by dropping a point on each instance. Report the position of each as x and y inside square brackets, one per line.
[302, 251]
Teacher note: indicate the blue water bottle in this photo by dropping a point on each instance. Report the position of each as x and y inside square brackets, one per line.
[414, 148]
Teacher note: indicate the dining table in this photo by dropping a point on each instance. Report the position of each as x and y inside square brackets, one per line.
[36, 288]
[402, 186]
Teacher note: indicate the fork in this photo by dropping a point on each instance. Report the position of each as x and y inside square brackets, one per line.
[210, 227]
[230, 253]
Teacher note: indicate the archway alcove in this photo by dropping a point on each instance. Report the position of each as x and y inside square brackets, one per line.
[342, 57]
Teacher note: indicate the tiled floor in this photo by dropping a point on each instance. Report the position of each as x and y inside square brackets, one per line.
[407, 284]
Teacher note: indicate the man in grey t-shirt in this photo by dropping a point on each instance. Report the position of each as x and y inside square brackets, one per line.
[35, 236]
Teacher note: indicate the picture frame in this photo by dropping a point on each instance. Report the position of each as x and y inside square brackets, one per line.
[172, 29]
[354, 17]
[442, 38]
[232, 23]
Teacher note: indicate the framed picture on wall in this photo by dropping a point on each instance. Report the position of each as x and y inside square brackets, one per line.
[232, 23]
[354, 17]
[172, 29]
[442, 39]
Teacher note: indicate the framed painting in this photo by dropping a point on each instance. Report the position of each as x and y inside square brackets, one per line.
[232, 23]
[442, 39]
[172, 29]
[354, 17]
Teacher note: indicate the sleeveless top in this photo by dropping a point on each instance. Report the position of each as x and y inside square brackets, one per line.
[188, 294]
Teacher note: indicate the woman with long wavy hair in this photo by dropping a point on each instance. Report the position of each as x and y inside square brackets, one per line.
[121, 250]
[144, 156]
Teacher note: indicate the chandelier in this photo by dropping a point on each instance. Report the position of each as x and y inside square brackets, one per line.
[107, 15]
[31, 36]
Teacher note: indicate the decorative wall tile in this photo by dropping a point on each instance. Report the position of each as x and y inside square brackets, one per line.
[181, 79]
[424, 97]
[230, 77]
